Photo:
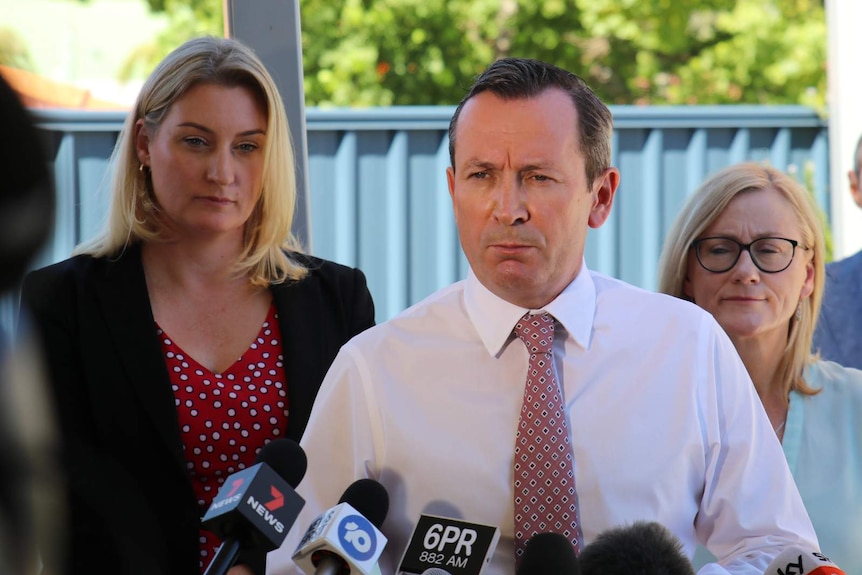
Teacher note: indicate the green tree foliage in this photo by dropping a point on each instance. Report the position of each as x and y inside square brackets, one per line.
[14, 52]
[188, 19]
[423, 52]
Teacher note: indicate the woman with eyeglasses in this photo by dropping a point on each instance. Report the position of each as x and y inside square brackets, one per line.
[748, 248]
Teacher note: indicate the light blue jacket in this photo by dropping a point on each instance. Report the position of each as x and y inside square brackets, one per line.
[823, 447]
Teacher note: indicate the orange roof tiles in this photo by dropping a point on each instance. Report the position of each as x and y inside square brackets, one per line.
[38, 91]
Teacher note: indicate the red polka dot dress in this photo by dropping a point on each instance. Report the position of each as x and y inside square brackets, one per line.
[225, 418]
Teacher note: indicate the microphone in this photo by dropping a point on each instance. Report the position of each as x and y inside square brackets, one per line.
[644, 547]
[798, 561]
[256, 506]
[549, 554]
[443, 545]
[346, 540]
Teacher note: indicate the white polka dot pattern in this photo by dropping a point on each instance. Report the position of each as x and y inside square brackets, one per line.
[225, 418]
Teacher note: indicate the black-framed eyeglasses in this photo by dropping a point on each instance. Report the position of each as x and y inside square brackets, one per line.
[770, 255]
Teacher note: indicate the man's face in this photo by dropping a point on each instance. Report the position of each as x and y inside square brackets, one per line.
[520, 194]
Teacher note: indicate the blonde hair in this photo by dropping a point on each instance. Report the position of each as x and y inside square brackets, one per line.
[701, 210]
[135, 216]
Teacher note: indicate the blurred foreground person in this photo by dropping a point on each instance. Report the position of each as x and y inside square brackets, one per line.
[748, 248]
[31, 508]
[193, 330]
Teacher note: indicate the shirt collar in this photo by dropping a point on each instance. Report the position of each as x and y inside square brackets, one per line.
[494, 318]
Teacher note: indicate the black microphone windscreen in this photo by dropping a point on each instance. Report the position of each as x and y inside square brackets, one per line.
[286, 458]
[644, 547]
[549, 554]
[369, 498]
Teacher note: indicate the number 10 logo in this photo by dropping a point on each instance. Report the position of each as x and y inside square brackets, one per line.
[357, 537]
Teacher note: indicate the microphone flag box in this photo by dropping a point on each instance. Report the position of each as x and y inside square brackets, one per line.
[255, 497]
[456, 546]
[797, 561]
[344, 532]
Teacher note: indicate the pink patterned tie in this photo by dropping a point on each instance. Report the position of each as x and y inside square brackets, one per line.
[545, 497]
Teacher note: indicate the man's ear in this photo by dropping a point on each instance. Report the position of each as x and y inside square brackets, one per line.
[854, 188]
[604, 189]
[450, 181]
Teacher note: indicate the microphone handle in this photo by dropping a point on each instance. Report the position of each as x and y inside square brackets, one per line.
[330, 564]
[224, 557]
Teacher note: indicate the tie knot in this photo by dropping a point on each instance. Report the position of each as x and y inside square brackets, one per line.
[537, 332]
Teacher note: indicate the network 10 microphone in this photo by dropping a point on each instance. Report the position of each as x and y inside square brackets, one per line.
[256, 506]
[346, 540]
[644, 547]
[549, 554]
[451, 545]
[798, 561]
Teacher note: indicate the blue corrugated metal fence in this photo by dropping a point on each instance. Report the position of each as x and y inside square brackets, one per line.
[379, 199]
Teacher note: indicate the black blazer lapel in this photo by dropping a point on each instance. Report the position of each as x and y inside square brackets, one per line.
[304, 338]
[122, 294]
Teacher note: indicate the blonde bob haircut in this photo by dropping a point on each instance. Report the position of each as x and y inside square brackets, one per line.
[135, 216]
[702, 209]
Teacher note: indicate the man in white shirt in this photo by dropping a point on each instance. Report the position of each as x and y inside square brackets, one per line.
[664, 422]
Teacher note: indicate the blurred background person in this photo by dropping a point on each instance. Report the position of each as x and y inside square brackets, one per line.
[748, 248]
[838, 336]
[193, 330]
[31, 509]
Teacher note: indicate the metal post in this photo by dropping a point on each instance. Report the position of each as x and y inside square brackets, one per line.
[272, 28]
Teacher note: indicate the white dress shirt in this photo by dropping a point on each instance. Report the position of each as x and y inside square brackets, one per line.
[665, 424]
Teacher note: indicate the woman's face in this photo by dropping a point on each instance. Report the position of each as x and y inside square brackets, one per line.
[206, 160]
[746, 301]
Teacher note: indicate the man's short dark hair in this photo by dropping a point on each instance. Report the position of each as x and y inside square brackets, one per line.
[521, 78]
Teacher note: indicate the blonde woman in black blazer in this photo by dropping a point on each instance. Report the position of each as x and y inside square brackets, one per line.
[193, 330]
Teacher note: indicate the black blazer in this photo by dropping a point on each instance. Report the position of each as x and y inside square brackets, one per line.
[131, 507]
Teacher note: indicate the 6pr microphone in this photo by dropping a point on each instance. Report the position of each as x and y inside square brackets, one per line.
[442, 545]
